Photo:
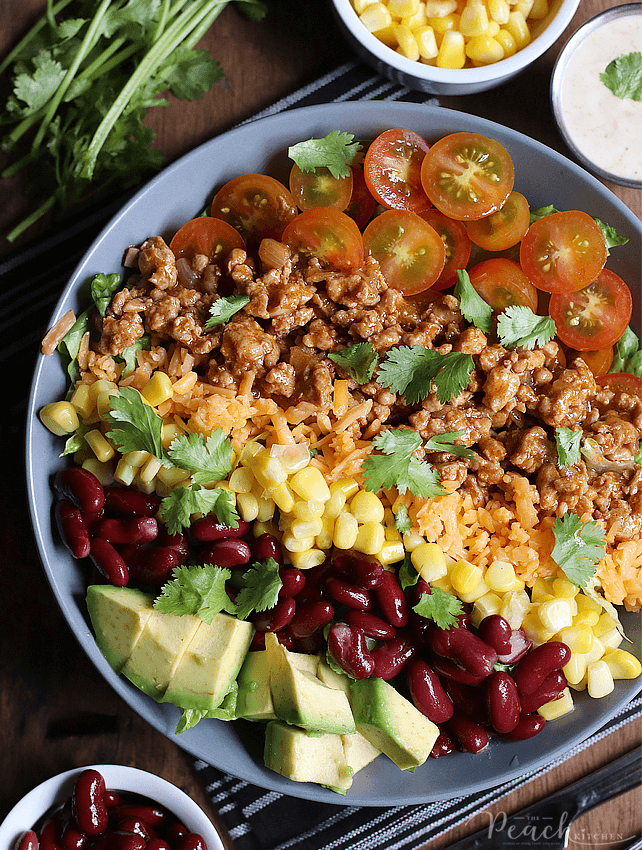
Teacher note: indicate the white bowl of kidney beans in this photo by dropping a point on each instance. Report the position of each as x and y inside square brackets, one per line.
[107, 807]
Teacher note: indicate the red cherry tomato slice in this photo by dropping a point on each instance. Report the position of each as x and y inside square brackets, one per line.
[502, 229]
[501, 283]
[319, 188]
[410, 252]
[256, 205]
[205, 235]
[596, 316]
[563, 252]
[392, 169]
[621, 382]
[467, 176]
[456, 241]
[327, 234]
[362, 204]
[599, 362]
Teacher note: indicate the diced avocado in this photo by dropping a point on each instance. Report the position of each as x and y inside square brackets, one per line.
[159, 651]
[255, 699]
[118, 616]
[210, 663]
[306, 757]
[391, 723]
[359, 751]
[300, 698]
[333, 679]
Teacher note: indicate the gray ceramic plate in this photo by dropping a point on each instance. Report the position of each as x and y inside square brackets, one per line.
[161, 207]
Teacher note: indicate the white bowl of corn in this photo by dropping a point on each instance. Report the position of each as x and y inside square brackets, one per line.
[452, 47]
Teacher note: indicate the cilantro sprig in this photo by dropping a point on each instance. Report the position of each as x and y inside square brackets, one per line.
[181, 503]
[412, 370]
[260, 590]
[519, 327]
[337, 152]
[446, 443]
[568, 446]
[471, 305]
[398, 467]
[224, 308]
[628, 355]
[623, 76]
[359, 361]
[441, 607]
[196, 590]
[578, 548]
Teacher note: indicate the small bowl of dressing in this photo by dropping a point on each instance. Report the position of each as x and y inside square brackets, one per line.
[593, 81]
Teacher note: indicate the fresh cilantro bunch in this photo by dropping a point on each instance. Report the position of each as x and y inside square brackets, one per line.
[80, 84]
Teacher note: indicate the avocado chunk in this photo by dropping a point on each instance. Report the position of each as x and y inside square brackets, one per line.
[255, 696]
[210, 663]
[159, 651]
[333, 679]
[391, 723]
[307, 757]
[359, 751]
[300, 698]
[118, 616]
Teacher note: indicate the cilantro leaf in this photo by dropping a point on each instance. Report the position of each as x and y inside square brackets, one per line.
[411, 371]
[627, 356]
[196, 590]
[178, 507]
[446, 443]
[471, 305]
[359, 361]
[260, 590]
[519, 327]
[37, 89]
[336, 152]
[612, 238]
[69, 345]
[398, 467]
[224, 308]
[209, 458]
[623, 76]
[103, 287]
[128, 355]
[135, 425]
[192, 73]
[402, 519]
[568, 446]
[542, 212]
[578, 547]
[408, 575]
[439, 606]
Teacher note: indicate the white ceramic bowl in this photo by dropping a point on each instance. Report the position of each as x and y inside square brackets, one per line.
[57, 790]
[416, 75]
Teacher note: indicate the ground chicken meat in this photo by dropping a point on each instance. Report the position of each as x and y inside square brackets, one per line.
[568, 401]
[246, 347]
[157, 263]
[532, 450]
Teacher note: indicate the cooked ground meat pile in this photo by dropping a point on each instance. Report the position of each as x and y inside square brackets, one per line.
[299, 312]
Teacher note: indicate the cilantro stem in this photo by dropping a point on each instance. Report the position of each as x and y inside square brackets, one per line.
[89, 72]
[29, 36]
[31, 219]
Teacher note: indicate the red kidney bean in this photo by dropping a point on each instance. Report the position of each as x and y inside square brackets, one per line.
[535, 666]
[226, 553]
[27, 841]
[427, 692]
[443, 746]
[496, 632]
[371, 625]
[177, 542]
[276, 618]
[153, 815]
[469, 699]
[153, 566]
[310, 645]
[113, 840]
[470, 736]
[420, 587]
[71, 838]
[258, 642]
[502, 701]
[136, 530]
[392, 601]
[123, 500]
[49, 834]
[82, 488]
[135, 825]
[529, 725]
[157, 844]
[361, 569]
[109, 562]
[286, 639]
[446, 667]
[348, 594]
[392, 656]
[72, 529]
[88, 803]
[293, 582]
[550, 689]
[420, 628]
[193, 841]
[519, 646]
[208, 528]
[176, 831]
[112, 798]
[310, 618]
[267, 546]
[464, 648]
[347, 646]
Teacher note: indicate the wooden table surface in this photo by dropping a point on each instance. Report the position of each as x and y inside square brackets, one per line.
[56, 712]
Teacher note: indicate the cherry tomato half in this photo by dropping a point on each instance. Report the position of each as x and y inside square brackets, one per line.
[621, 382]
[599, 362]
[362, 204]
[256, 205]
[319, 188]
[327, 234]
[467, 176]
[456, 241]
[596, 316]
[392, 169]
[410, 252]
[205, 235]
[502, 229]
[501, 282]
[563, 252]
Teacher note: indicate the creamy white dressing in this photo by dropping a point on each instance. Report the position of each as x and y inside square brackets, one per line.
[606, 129]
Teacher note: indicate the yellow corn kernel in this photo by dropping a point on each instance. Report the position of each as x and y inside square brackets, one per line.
[599, 679]
[465, 576]
[283, 498]
[347, 486]
[596, 652]
[611, 639]
[498, 11]
[387, 36]
[60, 417]
[443, 25]
[346, 529]
[515, 606]
[452, 51]
[296, 544]
[586, 603]
[444, 584]
[173, 476]
[158, 389]
[402, 8]
[102, 471]
[99, 387]
[557, 707]
[391, 552]
[361, 5]
[324, 538]
[523, 6]
[249, 452]
[518, 28]
[579, 686]
[370, 538]
[429, 561]
[534, 629]
[500, 576]
[622, 664]
[366, 507]
[481, 589]
[440, 8]
[407, 44]
[301, 528]
[586, 618]
[542, 589]
[575, 668]
[577, 638]
[128, 466]
[539, 10]
[266, 527]
[148, 472]
[266, 510]
[565, 588]
[241, 480]
[418, 19]
[474, 19]
[485, 606]
[309, 483]
[411, 540]
[101, 447]
[604, 625]
[376, 17]
[306, 560]
[267, 470]
[169, 432]
[507, 42]
[293, 456]
[335, 504]
[82, 400]
[555, 614]
[308, 510]
[392, 534]
[426, 42]
[247, 505]
[103, 402]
